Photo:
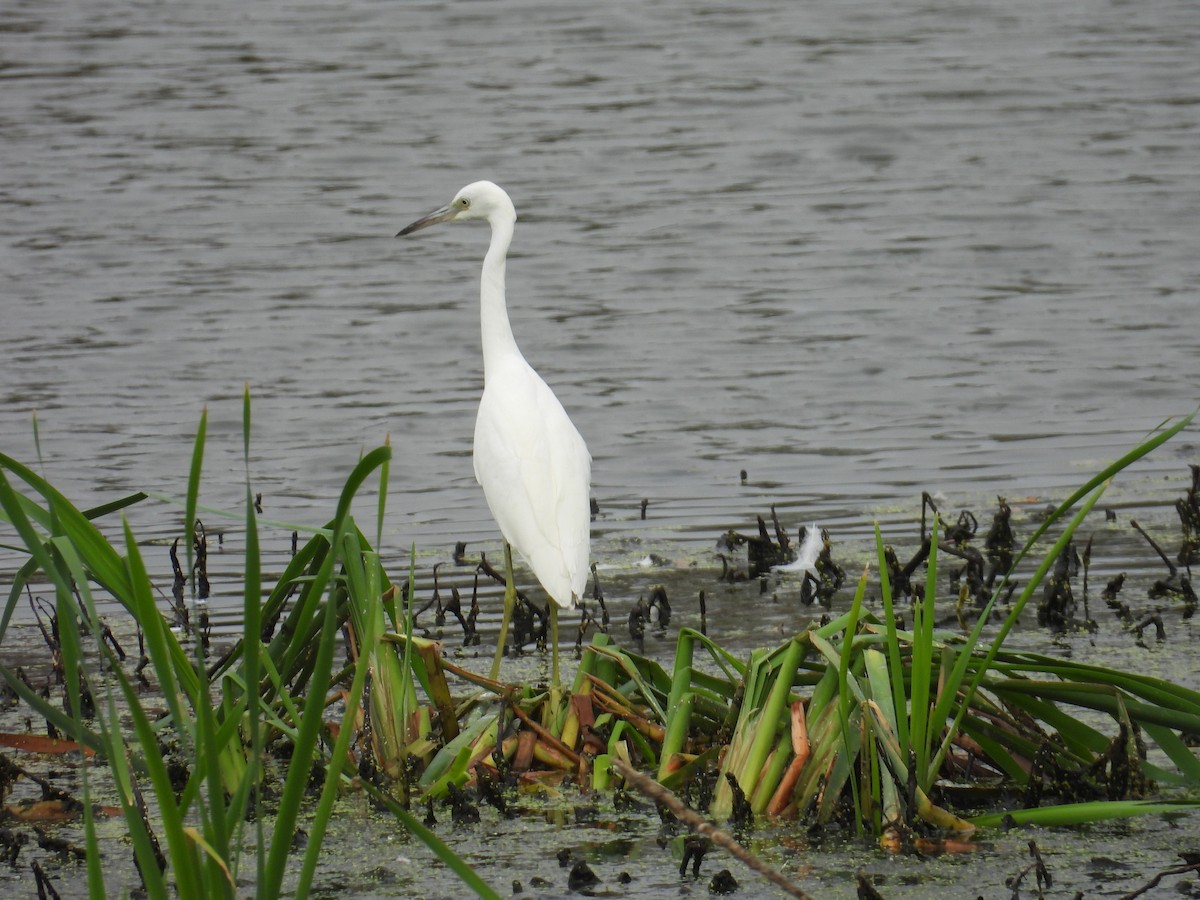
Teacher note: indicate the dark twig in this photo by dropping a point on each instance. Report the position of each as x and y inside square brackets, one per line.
[1157, 549]
[1038, 867]
[1191, 864]
[699, 824]
[45, 889]
[598, 596]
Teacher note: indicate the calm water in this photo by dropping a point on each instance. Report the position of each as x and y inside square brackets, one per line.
[856, 249]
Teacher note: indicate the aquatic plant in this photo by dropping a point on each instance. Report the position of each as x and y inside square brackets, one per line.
[863, 720]
[881, 719]
[205, 761]
[910, 733]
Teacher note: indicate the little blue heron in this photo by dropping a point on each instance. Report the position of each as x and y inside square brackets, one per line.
[533, 465]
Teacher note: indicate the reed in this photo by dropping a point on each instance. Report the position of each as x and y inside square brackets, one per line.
[191, 839]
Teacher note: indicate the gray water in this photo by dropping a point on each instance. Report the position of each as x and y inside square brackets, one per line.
[858, 250]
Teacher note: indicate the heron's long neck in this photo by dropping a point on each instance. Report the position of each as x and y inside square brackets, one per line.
[498, 340]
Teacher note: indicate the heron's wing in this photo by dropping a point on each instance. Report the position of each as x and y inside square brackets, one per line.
[535, 471]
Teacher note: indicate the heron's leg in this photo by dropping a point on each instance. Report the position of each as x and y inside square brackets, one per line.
[555, 684]
[510, 601]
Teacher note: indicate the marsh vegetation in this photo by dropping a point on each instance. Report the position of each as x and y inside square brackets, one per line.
[899, 717]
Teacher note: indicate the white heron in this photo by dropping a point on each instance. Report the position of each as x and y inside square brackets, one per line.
[530, 459]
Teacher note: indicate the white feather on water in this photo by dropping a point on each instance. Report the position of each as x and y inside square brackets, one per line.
[806, 559]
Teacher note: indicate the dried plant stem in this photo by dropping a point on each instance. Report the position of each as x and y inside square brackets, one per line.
[700, 825]
[801, 750]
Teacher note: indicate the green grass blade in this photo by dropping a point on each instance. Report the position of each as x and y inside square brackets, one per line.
[678, 714]
[1095, 488]
[251, 662]
[13, 508]
[845, 697]
[448, 857]
[384, 471]
[105, 509]
[899, 701]
[1153, 690]
[339, 758]
[104, 563]
[1070, 814]
[209, 754]
[920, 724]
[958, 673]
[171, 665]
[123, 778]
[1183, 756]
[193, 491]
[72, 659]
[184, 862]
[880, 680]
[312, 720]
[310, 725]
[1098, 480]
[406, 693]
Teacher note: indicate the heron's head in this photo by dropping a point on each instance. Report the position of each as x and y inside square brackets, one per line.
[480, 200]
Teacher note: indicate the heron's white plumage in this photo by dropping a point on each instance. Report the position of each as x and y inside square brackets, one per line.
[533, 465]
[535, 470]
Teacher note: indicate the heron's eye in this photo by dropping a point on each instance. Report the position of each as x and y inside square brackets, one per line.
[464, 202]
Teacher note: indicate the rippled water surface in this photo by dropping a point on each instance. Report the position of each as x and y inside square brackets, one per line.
[858, 250]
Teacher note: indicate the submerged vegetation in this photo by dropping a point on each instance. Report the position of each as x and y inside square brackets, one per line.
[226, 762]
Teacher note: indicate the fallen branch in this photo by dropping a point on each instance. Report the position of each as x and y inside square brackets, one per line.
[700, 825]
[1192, 864]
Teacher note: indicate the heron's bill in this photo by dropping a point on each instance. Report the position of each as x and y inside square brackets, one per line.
[445, 214]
